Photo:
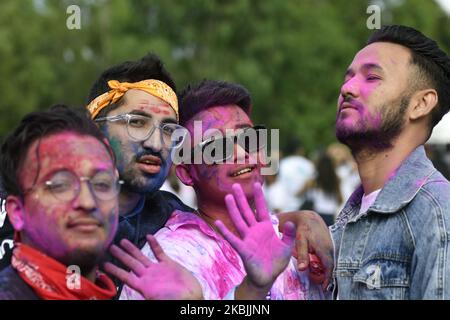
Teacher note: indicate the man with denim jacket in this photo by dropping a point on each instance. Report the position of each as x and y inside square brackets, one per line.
[392, 238]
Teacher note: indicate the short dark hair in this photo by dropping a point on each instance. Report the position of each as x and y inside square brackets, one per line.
[432, 62]
[209, 93]
[148, 67]
[36, 126]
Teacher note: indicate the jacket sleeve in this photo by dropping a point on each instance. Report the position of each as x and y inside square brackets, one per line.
[430, 267]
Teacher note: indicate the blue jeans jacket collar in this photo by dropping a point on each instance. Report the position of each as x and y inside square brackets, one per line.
[412, 174]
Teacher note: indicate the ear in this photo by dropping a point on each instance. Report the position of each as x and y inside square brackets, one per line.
[184, 174]
[424, 101]
[15, 211]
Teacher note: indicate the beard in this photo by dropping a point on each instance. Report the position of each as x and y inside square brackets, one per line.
[364, 136]
[136, 181]
[84, 259]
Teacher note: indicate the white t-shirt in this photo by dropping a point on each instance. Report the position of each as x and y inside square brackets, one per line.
[368, 200]
[295, 171]
[323, 202]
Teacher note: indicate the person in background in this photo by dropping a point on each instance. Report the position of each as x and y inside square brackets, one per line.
[346, 169]
[323, 193]
[295, 170]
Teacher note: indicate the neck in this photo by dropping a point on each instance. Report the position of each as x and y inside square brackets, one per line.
[377, 167]
[128, 201]
[90, 275]
[212, 211]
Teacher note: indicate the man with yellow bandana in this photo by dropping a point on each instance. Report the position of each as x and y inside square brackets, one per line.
[135, 105]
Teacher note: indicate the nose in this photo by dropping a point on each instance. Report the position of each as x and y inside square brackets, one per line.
[86, 198]
[154, 141]
[350, 88]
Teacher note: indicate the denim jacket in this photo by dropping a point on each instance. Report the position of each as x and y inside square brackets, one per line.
[399, 248]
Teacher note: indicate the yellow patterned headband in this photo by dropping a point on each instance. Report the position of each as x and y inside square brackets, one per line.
[154, 87]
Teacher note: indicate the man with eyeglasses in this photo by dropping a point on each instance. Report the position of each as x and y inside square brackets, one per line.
[135, 105]
[232, 255]
[62, 187]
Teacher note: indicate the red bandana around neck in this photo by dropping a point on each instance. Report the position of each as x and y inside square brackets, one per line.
[49, 278]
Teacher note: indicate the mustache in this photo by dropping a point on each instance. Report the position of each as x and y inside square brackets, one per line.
[143, 153]
[355, 103]
[88, 216]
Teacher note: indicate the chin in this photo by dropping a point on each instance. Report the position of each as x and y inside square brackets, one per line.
[346, 133]
[247, 187]
[144, 184]
[89, 245]
[153, 184]
[85, 257]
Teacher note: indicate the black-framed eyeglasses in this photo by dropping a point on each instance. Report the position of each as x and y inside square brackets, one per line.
[65, 185]
[140, 128]
[221, 148]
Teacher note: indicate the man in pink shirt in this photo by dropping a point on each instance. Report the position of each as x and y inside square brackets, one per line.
[231, 243]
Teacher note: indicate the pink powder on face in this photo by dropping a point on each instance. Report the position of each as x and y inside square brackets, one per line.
[363, 92]
[374, 121]
[54, 157]
[47, 226]
[164, 106]
[223, 118]
[155, 110]
[147, 103]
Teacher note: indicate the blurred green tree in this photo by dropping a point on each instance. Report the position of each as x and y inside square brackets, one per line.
[290, 54]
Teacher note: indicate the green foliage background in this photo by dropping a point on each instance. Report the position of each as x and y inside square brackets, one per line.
[290, 54]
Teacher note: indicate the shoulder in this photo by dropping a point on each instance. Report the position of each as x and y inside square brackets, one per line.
[186, 236]
[12, 287]
[437, 189]
[183, 226]
[430, 208]
[173, 201]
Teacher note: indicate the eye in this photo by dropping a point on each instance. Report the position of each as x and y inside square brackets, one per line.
[102, 185]
[168, 129]
[372, 77]
[138, 122]
[58, 186]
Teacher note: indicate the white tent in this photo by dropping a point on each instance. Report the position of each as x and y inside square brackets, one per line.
[441, 133]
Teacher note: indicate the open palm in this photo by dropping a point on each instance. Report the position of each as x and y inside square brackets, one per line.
[163, 280]
[263, 253]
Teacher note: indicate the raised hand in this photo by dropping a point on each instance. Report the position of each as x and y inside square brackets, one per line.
[263, 253]
[164, 280]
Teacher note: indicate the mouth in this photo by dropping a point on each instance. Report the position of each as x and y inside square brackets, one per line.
[149, 164]
[347, 105]
[84, 225]
[243, 172]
